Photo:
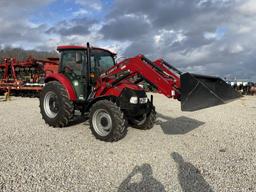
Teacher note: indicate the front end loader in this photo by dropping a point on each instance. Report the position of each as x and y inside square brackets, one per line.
[89, 80]
[199, 91]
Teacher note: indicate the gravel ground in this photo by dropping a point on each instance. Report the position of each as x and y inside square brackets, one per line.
[209, 150]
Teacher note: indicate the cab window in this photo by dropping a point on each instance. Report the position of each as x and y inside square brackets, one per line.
[101, 61]
[73, 61]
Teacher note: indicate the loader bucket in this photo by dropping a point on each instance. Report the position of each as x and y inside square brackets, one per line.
[199, 92]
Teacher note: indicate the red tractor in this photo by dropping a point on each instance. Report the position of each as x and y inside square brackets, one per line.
[89, 80]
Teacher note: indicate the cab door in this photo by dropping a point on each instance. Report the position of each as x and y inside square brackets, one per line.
[73, 67]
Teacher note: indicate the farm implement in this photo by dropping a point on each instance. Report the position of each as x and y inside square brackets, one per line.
[25, 78]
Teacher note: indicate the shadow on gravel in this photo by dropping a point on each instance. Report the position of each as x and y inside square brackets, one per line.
[146, 183]
[180, 125]
[77, 120]
[189, 176]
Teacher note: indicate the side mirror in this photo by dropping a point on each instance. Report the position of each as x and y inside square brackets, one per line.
[79, 58]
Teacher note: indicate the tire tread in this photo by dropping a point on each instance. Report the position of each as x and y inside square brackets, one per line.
[120, 122]
[67, 110]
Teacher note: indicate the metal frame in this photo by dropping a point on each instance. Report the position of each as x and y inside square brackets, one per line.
[11, 81]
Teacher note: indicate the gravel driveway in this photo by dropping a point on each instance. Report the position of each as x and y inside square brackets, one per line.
[209, 150]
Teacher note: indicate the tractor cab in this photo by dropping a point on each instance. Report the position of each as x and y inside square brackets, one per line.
[74, 64]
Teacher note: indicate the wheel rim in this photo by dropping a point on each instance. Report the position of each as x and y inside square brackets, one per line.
[51, 104]
[102, 122]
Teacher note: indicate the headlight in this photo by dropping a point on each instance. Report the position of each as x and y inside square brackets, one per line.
[143, 100]
[134, 100]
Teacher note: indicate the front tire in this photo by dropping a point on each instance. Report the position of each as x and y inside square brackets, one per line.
[107, 121]
[56, 108]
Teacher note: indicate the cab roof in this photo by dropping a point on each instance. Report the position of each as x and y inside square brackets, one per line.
[77, 47]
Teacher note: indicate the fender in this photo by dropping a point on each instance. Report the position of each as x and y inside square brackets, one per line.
[65, 82]
[96, 99]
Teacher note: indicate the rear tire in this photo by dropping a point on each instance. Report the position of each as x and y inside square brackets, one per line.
[145, 122]
[56, 108]
[107, 121]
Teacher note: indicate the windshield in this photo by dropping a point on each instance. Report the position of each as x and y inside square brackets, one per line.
[101, 61]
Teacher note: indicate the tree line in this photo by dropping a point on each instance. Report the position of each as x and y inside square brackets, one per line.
[21, 54]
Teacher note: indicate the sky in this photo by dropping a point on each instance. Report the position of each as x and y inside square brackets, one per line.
[211, 37]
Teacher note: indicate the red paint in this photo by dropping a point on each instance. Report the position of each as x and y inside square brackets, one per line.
[69, 47]
[139, 65]
[160, 63]
[117, 90]
[65, 82]
[50, 68]
[163, 79]
[10, 79]
[75, 47]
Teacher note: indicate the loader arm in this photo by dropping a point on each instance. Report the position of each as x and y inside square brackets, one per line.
[143, 69]
[194, 91]
[171, 70]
